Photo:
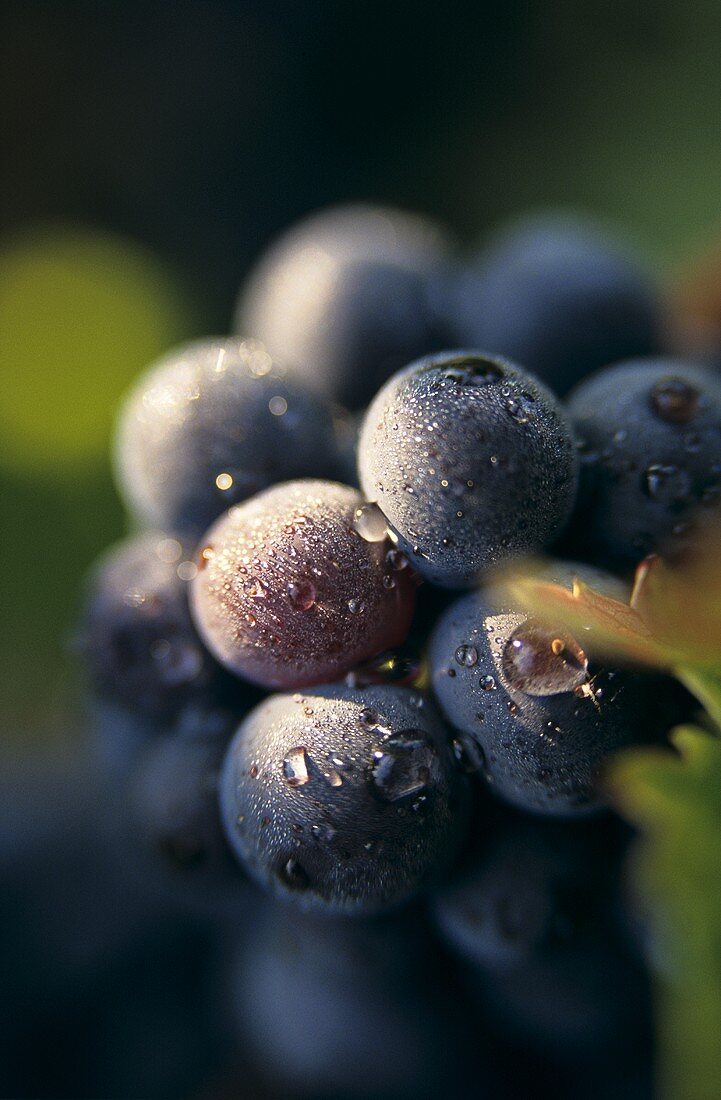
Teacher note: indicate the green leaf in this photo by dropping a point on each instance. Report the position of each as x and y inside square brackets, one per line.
[675, 801]
[706, 686]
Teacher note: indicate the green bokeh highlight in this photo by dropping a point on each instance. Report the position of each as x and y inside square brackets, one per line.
[81, 313]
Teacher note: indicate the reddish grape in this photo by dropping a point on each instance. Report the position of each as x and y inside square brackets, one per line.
[295, 588]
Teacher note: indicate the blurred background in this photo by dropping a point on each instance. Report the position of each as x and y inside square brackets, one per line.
[150, 151]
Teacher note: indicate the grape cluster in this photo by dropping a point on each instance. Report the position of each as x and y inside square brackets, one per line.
[430, 763]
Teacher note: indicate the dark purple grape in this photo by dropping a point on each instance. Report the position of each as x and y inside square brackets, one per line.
[534, 885]
[344, 298]
[472, 461]
[173, 817]
[538, 719]
[649, 434]
[343, 800]
[338, 1008]
[136, 635]
[583, 999]
[555, 293]
[211, 424]
[299, 585]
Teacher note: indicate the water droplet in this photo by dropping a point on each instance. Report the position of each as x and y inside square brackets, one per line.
[253, 773]
[293, 875]
[472, 372]
[255, 588]
[666, 484]
[323, 831]
[370, 523]
[674, 400]
[334, 778]
[397, 560]
[540, 661]
[467, 656]
[302, 594]
[488, 683]
[295, 767]
[356, 607]
[403, 767]
[371, 720]
[521, 408]
[471, 757]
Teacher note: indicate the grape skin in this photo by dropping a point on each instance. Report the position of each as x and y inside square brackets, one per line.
[472, 461]
[212, 423]
[289, 594]
[343, 800]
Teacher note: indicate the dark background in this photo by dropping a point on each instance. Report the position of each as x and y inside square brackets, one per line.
[150, 151]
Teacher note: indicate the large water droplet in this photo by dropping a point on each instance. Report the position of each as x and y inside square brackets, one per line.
[488, 683]
[472, 371]
[521, 408]
[674, 400]
[666, 484]
[302, 594]
[371, 720]
[541, 661]
[403, 767]
[295, 767]
[370, 523]
[467, 656]
[355, 606]
[255, 588]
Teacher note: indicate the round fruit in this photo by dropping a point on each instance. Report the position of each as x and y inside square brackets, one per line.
[343, 800]
[538, 719]
[649, 434]
[556, 294]
[471, 460]
[344, 299]
[300, 584]
[140, 646]
[209, 425]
